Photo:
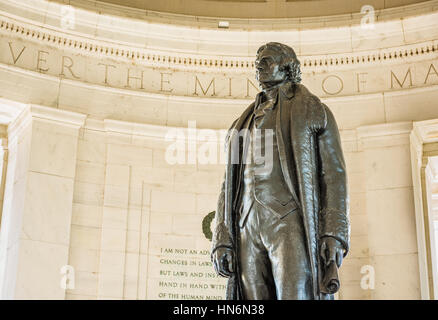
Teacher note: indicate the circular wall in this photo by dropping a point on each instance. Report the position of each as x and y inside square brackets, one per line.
[91, 91]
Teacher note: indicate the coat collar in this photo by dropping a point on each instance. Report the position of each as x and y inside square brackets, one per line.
[288, 90]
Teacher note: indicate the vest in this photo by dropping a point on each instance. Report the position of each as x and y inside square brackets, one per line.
[262, 177]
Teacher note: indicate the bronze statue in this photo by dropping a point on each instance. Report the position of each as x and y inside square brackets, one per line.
[281, 226]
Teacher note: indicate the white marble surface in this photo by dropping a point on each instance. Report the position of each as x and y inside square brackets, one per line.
[47, 218]
[100, 147]
[38, 270]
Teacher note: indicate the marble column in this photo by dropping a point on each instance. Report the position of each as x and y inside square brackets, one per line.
[35, 231]
[3, 164]
[390, 209]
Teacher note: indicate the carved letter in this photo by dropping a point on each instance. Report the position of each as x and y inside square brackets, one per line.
[106, 70]
[41, 59]
[163, 81]
[429, 72]
[64, 65]
[229, 86]
[249, 82]
[15, 59]
[341, 87]
[202, 89]
[401, 84]
[129, 77]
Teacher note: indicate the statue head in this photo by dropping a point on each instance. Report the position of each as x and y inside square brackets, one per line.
[275, 64]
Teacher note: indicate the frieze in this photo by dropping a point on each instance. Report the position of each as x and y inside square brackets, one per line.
[94, 61]
[63, 64]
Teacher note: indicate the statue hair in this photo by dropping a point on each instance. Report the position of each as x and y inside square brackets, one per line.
[289, 60]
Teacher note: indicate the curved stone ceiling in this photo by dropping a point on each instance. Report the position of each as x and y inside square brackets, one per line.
[257, 9]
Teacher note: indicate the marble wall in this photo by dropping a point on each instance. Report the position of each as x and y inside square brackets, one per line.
[133, 228]
[3, 163]
[93, 209]
[37, 203]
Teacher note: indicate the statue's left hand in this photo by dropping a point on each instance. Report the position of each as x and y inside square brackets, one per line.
[331, 250]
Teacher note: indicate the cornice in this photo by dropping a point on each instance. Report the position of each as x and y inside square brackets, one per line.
[21, 114]
[65, 117]
[156, 58]
[382, 130]
[9, 110]
[422, 43]
[426, 131]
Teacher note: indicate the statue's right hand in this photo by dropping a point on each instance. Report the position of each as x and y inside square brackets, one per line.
[223, 260]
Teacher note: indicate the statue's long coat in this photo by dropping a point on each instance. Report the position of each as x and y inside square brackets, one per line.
[308, 138]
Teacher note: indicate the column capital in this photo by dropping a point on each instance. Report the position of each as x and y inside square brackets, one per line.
[36, 112]
[426, 131]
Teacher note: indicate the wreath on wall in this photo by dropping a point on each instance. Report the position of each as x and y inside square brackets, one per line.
[206, 225]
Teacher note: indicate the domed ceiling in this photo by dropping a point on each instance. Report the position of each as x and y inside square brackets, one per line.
[259, 8]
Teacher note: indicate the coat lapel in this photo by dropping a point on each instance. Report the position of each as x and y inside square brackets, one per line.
[233, 162]
[303, 148]
[234, 287]
[288, 93]
[291, 116]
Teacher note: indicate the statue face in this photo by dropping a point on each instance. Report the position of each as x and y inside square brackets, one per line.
[268, 71]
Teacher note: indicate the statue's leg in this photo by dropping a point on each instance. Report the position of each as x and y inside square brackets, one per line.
[256, 274]
[285, 240]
